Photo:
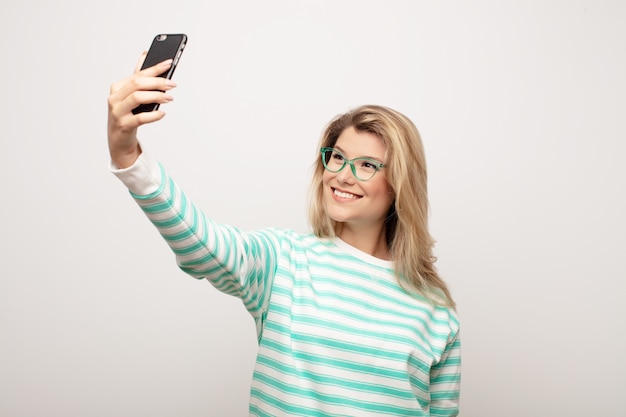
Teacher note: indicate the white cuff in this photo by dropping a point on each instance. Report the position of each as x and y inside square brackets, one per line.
[141, 178]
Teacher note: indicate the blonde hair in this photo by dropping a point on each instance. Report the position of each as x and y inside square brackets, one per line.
[408, 239]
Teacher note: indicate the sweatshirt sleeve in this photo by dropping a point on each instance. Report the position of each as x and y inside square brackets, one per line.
[237, 263]
[445, 380]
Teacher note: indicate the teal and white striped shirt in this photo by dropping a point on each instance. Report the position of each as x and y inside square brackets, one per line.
[337, 334]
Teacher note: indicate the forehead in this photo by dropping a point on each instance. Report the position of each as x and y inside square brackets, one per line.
[354, 144]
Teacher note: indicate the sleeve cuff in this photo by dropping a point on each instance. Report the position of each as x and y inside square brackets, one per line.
[141, 178]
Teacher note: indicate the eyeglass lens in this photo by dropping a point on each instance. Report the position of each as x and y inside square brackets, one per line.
[362, 168]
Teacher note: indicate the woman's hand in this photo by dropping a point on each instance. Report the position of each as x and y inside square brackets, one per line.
[142, 87]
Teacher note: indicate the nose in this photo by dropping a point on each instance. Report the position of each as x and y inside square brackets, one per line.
[346, 176]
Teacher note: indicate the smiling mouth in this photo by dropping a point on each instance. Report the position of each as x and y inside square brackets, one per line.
[343, 194]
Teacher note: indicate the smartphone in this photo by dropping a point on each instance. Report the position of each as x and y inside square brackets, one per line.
[164, 46]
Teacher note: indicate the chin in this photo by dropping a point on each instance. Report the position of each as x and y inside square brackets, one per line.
[340, 216]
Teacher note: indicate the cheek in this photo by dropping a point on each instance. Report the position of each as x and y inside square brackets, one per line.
[325, 186]
[381, 188]
[383, 194]
[326, 177]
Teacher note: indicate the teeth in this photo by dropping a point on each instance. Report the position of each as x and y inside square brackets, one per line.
[344, 195]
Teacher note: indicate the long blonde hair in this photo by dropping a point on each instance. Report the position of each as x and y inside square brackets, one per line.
[409, 241]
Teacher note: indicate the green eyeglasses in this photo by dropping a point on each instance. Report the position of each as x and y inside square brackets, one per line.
[363, 168]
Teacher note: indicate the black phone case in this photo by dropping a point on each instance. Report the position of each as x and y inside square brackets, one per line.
[164, 46]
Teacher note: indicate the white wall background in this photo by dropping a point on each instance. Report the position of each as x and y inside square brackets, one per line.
[522, 109]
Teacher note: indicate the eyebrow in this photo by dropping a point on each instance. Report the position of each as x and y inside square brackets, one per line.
[365, 156]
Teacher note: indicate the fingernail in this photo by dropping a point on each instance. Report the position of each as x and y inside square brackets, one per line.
[170, 83]
[168, 97]
[167, 62]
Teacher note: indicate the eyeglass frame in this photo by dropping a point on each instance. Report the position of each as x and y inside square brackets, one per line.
[377, 165]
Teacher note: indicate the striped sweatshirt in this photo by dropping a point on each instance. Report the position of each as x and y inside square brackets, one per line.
[337, 334]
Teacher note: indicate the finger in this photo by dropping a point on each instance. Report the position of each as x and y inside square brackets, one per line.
[124, 121]
[157, 69]
[122, 89]
[154, 71]
[142, 97]
[121, 108]
[142, 58]
[150, 116]
[133, 121]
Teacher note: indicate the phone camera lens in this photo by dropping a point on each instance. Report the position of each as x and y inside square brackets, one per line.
[161, 37]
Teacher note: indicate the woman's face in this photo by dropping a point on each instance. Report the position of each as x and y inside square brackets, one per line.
[360, 204]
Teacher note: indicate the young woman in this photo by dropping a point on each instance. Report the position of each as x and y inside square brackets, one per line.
[352, 318]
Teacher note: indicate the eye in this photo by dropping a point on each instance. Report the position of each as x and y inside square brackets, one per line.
[369, 165]
[337, 156]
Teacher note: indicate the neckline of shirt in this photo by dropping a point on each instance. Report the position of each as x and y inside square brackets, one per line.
[360, 254]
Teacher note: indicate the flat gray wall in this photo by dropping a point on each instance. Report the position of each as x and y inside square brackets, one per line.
[522, 109]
